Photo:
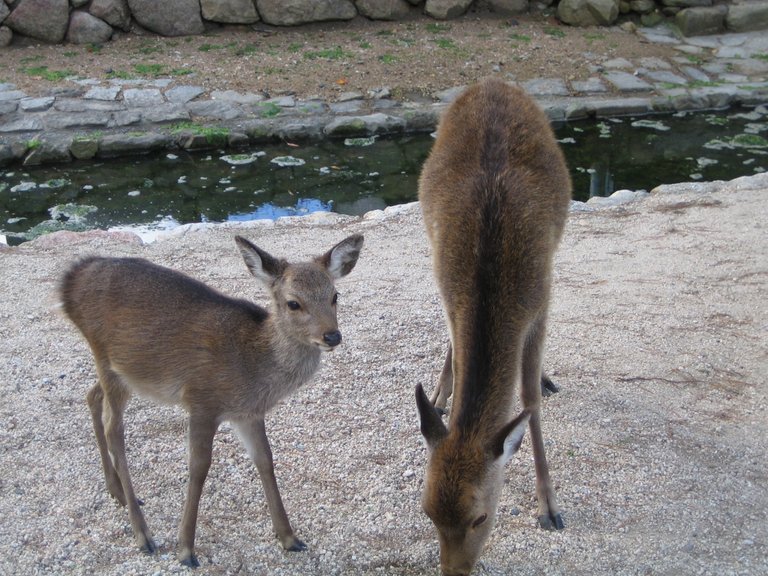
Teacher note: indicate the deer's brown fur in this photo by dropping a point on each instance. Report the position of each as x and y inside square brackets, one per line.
[494, 193]
[163, 335]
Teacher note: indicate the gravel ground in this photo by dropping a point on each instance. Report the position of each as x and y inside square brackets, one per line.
[656, 442]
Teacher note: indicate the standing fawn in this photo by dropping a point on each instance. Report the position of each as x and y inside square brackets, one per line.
[494, 193]
[165, 336]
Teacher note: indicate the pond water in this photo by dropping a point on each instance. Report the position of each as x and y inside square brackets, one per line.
[358, 175]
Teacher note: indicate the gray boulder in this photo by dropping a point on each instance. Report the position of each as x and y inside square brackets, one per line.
[701, 21]
[383, 9]
[508, 6]
[4, 11]
[293, 12]
[747, 16]
[44, 20]
[169, 17]
[52, 149]
[588, 12]
[445, 9]
[642, 6]
[686, 3]
[113, 12]
[230, 11]
[85, 28]
[6, 36]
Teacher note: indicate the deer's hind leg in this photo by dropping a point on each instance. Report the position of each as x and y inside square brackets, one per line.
[115, 396]
[445, 384]
[549, 512]
[95, 404]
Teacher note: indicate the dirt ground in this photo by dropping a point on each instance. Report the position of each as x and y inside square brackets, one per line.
[657, 441]
[414, 58]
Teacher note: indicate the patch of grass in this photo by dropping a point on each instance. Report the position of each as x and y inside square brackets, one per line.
[148, 49]
[445, 43]
[93, 48]
[520, 37]
[387, 58]
[554, 31]
[33, 143]
[295, 47]
[70, 54]
[181, 72]
[385, 33]
[693, 59]
[592, 36]
[268, 109]
[437, 28]
[760, 56]
[210, 47]
[46, 74]
[30, 59]
[246, 50]
[120, 74]
[335, 53]
[365, 45]
[214, 135]
[149, 69]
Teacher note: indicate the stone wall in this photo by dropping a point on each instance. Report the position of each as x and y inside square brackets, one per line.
[95, 21]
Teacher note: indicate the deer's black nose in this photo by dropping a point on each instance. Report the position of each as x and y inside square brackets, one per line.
[332, 338]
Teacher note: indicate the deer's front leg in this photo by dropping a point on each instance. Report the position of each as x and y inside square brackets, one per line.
[201, 433]
[532, 382]
[254, 435]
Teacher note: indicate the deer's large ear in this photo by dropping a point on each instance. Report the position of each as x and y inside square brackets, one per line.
[263, 266]
[508, 440]
[430, 422]
[341, 259]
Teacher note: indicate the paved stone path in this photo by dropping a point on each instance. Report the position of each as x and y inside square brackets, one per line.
[119, 117]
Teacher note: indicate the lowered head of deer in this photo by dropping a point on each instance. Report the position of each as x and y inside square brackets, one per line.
[165, 336]
[462, 484]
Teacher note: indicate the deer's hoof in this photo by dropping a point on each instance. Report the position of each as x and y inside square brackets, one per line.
[551, 522]
[190, 561]
[548, 387]
[296, 546]
[149, 547]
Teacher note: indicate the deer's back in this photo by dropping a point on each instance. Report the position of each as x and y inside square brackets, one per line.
[494, 192]
[165, 333]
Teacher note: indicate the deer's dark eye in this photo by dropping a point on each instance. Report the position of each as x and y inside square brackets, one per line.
[479, 520]
[293, 305]
[335, 298]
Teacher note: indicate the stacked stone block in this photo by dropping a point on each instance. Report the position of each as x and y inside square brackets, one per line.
[95, 21]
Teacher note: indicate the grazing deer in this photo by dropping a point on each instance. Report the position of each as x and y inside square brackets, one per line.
[494, 194]
[163, 335]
